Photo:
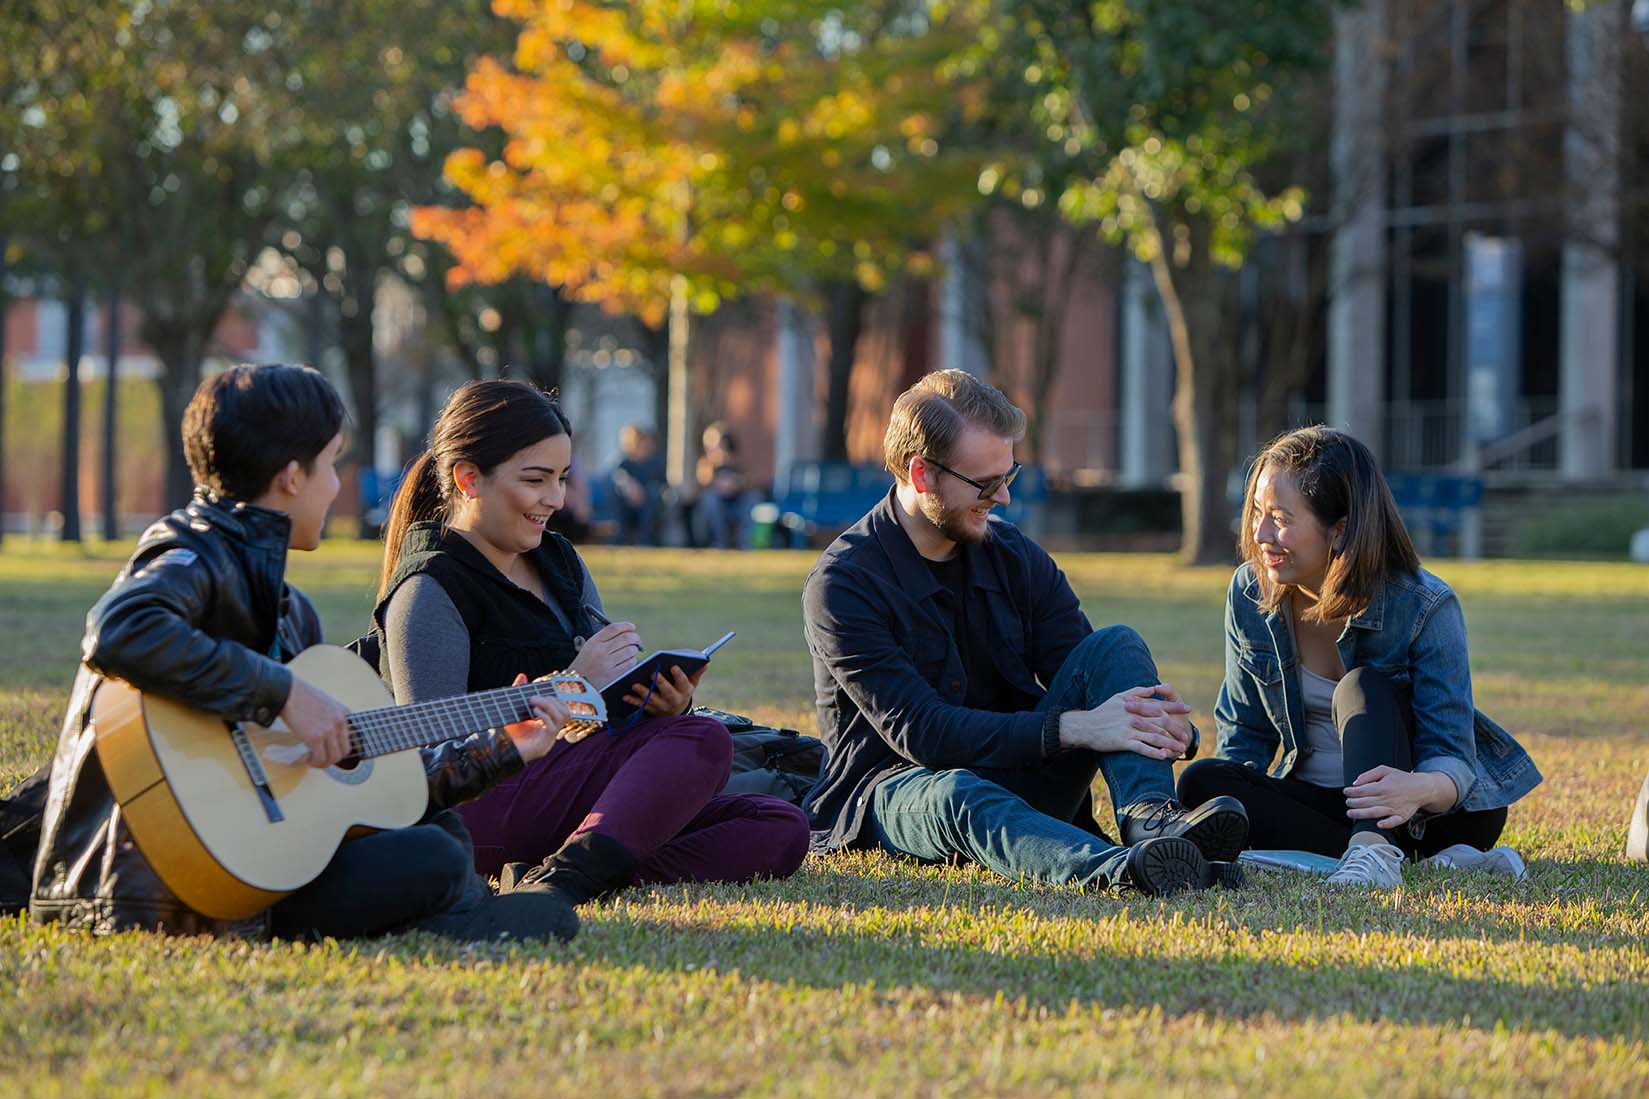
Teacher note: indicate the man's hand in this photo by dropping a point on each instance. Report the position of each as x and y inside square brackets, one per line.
[671, 693]
[534, 738]
[610, 651]
[1390, 797]
[1131, 721]
[318, 720]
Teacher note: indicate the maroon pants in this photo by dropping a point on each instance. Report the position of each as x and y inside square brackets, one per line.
[654, 789]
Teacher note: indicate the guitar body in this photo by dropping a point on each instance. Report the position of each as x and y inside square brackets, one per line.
[198, 817]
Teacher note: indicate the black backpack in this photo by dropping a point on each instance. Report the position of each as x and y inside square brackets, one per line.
[20, 813]
[781, 763]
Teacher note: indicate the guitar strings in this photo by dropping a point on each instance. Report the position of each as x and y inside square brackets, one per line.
[396, 728]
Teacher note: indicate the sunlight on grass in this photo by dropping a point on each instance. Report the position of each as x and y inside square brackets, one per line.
[867, 975]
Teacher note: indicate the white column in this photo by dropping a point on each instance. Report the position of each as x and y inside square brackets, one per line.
[1357, 280]
[960, 345]
[1145, 422]
[1589, 341]
[795, 430]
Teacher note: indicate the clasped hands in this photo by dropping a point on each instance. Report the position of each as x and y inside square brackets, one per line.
[1150, 721]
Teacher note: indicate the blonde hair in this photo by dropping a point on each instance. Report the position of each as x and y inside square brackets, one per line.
[930, 416]
[1339, 479]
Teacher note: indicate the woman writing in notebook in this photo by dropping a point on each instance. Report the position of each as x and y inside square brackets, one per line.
[1343, 651]
[475, 592]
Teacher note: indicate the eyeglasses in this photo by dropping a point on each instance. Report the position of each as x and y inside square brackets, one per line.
[987, 488]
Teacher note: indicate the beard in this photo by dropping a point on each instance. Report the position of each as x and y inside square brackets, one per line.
[952, 522]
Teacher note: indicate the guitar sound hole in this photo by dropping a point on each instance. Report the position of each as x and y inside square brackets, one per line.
[351, 770]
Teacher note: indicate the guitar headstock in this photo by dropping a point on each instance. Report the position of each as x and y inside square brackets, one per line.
[588, 707]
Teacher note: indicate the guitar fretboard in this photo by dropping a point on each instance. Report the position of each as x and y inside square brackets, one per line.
[419, 724]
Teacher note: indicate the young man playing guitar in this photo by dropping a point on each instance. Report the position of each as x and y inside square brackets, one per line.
[201, 615]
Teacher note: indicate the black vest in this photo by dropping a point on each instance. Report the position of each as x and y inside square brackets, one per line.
[510, 628]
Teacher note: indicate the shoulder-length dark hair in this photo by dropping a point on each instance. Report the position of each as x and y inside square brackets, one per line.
[1339, 479]
[482, 422]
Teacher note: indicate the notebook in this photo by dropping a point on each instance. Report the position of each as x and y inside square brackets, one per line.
[1306, 861]
[641, 675]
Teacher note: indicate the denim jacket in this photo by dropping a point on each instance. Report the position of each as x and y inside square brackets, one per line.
[1413, 634]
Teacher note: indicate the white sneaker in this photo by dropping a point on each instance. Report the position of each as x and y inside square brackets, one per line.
[1378, 865]
[1500, 860]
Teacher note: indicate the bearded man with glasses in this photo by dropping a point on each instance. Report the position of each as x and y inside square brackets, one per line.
[966, 701]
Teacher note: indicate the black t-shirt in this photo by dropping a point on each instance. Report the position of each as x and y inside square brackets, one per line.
[987, 690]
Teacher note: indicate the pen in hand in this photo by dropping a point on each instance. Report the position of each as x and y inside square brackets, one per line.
[602, 620]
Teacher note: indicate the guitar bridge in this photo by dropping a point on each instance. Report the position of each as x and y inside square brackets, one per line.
[255, 772]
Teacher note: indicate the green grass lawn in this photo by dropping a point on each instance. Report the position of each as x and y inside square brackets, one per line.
[863, 975]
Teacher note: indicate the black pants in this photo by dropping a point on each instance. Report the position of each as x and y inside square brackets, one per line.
[404, 879]
[1376, 727]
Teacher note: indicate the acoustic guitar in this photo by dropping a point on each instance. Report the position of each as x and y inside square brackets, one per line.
[232, 817]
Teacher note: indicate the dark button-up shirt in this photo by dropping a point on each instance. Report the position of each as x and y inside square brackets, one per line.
[890, 684]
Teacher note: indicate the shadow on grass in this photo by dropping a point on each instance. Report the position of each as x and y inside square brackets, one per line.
[1602, 902]
[1221, 984]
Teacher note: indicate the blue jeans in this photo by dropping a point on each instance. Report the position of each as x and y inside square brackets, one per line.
[1024, 823]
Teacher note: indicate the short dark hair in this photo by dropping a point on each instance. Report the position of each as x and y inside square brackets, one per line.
[244, 425]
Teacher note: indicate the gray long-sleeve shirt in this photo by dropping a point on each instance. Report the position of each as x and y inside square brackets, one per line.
[426, 647]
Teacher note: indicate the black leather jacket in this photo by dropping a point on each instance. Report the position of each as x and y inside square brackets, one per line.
[192, 616]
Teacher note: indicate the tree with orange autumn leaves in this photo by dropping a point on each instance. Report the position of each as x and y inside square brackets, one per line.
[706, 149]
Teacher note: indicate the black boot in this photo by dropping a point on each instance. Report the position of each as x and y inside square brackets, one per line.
[585, 869]
[482, 917]
[1219, 826]
[1170, 864]
[1165, 865]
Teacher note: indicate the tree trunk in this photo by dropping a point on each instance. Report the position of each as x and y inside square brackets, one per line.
[655, 346]
[548, 344]
[846, 306]
[75, 347]
[179, 376]
[361, 365]
[1202, 407]
[1062, 253]
[111, 408]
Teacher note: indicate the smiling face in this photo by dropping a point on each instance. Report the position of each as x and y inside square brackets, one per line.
[1294, 546]
[507, 508]
[951, 504]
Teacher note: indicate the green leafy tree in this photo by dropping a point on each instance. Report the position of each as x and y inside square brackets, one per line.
[1172, 109]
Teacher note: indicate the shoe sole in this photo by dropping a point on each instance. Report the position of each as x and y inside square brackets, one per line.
[1226, 875]
[1168, 865]
[1221, 836]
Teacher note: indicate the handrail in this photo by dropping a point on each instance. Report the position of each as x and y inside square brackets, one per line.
[1538, 432]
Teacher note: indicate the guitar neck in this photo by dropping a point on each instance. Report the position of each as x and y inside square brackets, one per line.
[421, 724]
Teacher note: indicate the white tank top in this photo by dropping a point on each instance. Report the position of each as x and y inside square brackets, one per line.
[1325, 765]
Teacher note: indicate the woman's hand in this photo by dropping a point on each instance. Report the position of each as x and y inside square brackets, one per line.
[672, 694]
[535, 737]
[610, 651]
[1390, 797]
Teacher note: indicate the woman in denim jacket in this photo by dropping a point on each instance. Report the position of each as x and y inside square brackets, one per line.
[1344, 652]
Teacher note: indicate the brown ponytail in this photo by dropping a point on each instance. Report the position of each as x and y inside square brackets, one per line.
[483, 423]
[417, 500]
